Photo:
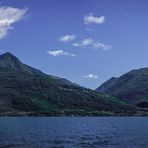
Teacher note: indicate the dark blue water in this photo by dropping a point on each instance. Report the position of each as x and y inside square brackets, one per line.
[73, 132]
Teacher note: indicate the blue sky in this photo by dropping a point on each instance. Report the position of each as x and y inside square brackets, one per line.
[85, 41]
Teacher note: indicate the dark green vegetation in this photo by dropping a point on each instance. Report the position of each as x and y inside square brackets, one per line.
[27, 91]
[131, 87]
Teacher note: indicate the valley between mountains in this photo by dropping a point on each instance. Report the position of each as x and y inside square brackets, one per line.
[26, 91]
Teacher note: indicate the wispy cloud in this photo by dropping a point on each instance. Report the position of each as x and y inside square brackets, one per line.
[99, 45]
[91, 19]
[87, 42]
[89, 29]
[1, 51]
[90, 43]
[90, 76]
[9, 16]
[84, 43]
[67, 38]
[60, 53]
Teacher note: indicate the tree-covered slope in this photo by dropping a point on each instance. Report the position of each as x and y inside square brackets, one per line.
[131, 87]
[26, 90]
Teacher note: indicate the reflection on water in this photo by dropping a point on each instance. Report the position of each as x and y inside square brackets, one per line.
[73, 132]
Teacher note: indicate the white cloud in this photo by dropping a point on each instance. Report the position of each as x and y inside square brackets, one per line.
[75, 44]
[90, 76]
[84, 43]
[59, 53]
[87, 42]
[89, 29]
[90, 43]
[9, 16]
[91, 19]
[99, 45]
[67, 38]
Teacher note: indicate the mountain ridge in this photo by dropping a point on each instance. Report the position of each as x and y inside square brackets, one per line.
[25, 90]
[131, 87]
[7, 60]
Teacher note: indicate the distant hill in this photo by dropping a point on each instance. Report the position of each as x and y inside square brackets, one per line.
[108, 84]
[27, 91]
[131, 87]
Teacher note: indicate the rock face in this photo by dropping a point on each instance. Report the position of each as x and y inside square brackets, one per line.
[131, 87]
[25, 90]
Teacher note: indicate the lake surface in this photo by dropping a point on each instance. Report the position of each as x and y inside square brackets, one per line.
[73, 132]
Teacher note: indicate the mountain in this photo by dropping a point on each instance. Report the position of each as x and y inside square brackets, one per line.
[131, 87]
[11, 62]
[27, 91]
[105, 86]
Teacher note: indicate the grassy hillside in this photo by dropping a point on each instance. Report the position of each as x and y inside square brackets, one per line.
[131, 87]
[26, 90]
[45, 95]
